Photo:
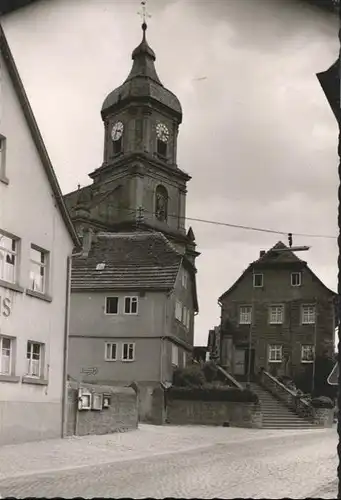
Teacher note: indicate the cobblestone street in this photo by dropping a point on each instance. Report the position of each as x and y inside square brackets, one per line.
[176, 462]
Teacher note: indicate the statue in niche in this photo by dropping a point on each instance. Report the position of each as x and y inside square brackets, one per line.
[161, 203]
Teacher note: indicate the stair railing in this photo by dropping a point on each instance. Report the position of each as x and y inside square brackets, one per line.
[229, 377]
[296, 403]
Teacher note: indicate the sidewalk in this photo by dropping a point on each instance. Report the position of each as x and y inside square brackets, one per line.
[147, 440]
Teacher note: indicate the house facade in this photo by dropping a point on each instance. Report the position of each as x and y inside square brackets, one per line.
[278, 315]
[36, 242]
[134, 291]
[132, 306]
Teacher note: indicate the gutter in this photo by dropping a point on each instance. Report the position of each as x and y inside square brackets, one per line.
[66, 341]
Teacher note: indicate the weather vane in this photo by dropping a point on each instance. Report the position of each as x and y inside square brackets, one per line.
[143, 12]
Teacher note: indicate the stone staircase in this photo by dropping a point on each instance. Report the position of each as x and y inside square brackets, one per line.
[275, 414]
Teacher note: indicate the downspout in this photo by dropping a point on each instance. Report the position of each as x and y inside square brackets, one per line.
[168, 294]
[221, 334]
[66, 341]
[315, 340]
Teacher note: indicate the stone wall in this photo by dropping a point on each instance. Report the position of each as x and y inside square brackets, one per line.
[120, 416]
[182, 412]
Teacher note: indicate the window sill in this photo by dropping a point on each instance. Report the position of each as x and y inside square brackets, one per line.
[110, 360]
[38, 295]
[273, 361]
[273, 323]
[4, 179]
[127, 360]
[34, 381]
[307, 362]
[9, 378]
[11, 286]
[307, 324]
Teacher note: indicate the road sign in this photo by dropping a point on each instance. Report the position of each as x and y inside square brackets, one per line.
[334, 375]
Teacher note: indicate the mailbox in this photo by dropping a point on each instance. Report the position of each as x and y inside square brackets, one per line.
[84, 399]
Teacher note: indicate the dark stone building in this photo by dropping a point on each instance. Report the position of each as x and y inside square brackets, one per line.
[276, 316]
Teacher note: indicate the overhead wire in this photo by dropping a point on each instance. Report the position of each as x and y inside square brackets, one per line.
[141, 211]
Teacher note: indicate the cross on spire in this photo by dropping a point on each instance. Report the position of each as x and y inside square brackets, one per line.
[143, 13]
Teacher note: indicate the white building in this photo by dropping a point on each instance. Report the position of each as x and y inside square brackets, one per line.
[36, 242]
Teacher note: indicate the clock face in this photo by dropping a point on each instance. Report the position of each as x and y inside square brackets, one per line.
[117, 131]
[162, 132]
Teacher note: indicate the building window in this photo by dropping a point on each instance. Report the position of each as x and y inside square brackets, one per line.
[110, 351]
[188, 319]
[184, 278]
[111, 305]
[38, 271]
[308, 315]
[2, 158]
[117, 146]
[161, 203]
[175, 355]
[178, 310]
[307, 353]
[276, 315]
[296, 279]
[257, 280]
[34, 359]
[275, 353]
[128, 352]
[8, 258]
[6, 351]
[185, 314]
[130, 305]
[245, 313]
[161, 148]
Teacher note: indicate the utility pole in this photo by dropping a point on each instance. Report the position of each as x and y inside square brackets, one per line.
[330, 83]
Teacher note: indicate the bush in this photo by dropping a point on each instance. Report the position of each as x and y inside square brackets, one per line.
[191, 376]
[210, 371]
[323, 367]
[231, 394]
[322, 402]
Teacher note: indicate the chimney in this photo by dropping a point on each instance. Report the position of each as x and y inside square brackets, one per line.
[261, 253]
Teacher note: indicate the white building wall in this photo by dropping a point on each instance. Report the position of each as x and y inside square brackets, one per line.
[29, 212]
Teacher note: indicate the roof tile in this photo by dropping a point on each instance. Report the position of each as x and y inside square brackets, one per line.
[141, 260]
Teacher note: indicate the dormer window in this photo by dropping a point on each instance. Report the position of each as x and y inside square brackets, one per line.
[162, 136]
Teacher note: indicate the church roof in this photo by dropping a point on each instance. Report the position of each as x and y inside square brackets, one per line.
[142, 82]
[132, 261]
[34, 130]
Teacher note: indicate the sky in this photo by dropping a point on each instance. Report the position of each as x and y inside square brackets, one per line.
[258, 136]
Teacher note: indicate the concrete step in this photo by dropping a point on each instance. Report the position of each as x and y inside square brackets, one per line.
[285, 426]
[276, 415]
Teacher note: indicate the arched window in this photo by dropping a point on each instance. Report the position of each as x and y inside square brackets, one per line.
[161, 203]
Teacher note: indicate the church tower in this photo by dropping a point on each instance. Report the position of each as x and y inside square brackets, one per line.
[139, 182]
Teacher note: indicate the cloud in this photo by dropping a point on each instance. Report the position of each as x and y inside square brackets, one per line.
[257, 137]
